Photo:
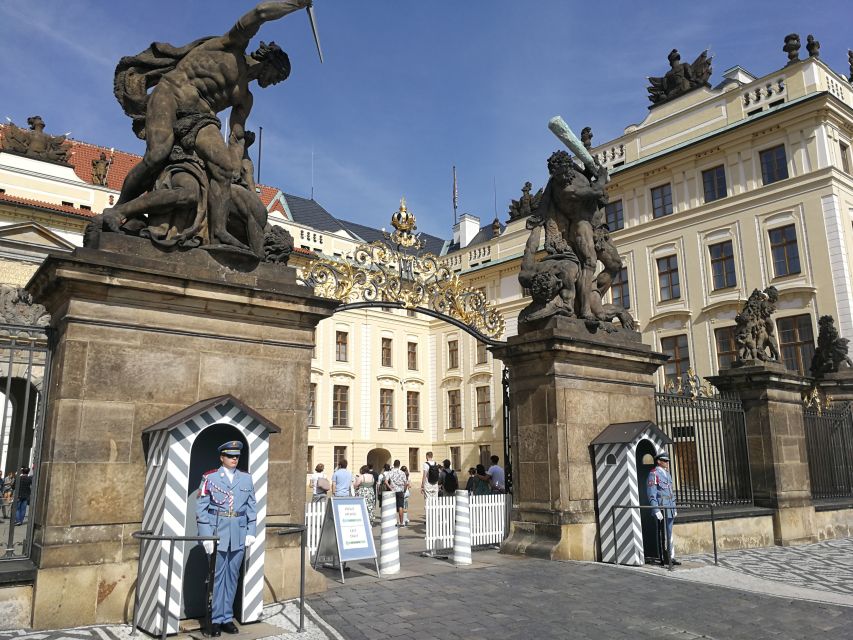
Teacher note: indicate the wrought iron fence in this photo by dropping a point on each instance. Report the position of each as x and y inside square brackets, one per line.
[709, 457]
[24, 367]
[829, 443]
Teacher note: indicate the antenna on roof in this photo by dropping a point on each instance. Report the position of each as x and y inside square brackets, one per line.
[312, 171]
[495, 188]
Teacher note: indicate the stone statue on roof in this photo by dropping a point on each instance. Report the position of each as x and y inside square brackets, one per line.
[100, 168]
[680, 79]
[174, 95]
[526, 204]
[35, 143]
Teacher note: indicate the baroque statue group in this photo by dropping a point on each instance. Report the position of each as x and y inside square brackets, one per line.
[192, 188]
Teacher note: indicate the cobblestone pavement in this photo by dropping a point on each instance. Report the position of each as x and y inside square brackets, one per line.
[529, 598]
[825, 566]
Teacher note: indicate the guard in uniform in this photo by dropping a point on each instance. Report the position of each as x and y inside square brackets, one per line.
[226, 507]
[660, 492]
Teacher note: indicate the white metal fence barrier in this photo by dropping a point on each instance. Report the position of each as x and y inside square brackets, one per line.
[488, 521]
[314, 512]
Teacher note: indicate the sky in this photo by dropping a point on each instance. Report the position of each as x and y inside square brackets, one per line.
[409, 88]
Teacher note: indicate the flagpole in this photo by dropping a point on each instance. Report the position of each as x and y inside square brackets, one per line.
[455, 195]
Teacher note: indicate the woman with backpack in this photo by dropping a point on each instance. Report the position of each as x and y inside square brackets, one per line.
[481, 482]
[449, 481]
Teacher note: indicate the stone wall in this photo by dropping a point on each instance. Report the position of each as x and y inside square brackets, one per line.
[140, 337]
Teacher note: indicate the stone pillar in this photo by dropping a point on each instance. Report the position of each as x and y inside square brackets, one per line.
[566, 386]
[141, 335]
[776, 442]
[839, 385]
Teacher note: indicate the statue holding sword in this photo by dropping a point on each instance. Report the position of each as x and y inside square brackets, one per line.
[173, 96]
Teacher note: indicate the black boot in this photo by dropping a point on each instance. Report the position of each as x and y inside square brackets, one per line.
[230, 627]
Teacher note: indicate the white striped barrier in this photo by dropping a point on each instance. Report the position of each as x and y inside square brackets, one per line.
[389, 543]
[462, 530]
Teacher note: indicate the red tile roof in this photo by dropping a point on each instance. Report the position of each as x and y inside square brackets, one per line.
[82, 154]
[38, 204]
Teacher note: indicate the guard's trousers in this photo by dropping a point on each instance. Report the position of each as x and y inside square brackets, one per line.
[225, 578]
[665, 538]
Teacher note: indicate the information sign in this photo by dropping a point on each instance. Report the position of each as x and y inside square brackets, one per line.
[346, 534]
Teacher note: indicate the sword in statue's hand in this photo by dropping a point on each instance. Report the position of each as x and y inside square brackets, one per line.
[313, 21]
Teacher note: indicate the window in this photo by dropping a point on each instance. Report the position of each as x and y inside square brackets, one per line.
[456, 457]
[340, 406]
[484, 407]
[774, 164]
[614, 216]
[679, 356]
[310, 458]
[714, 181]
[386, 408]
[414, 458]
[722, 265]
[619, 289]
[726, 346]
[845, 157]
[482, 353]
[341, 341]
[452, 354]
[662, 201]
[413, 356]
[312, 402]
[668, 278]
[413, 410]
[796, 342]
[783, 248]
[486, 455]
[454, 409]
[386, 352]
[339, 453]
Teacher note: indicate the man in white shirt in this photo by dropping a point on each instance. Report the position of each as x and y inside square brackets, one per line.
[396, 481]
[429, 489]
[496, 476]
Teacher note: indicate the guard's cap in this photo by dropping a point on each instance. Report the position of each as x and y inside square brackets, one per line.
[231, 448]
[663, 455]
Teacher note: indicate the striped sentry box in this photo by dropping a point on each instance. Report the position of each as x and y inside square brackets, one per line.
[165, 507]
[616, 484]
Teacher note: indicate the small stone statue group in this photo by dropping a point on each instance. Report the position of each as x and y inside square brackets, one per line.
[831, 352]
[35, 143]
[792, 47]
[755, 333]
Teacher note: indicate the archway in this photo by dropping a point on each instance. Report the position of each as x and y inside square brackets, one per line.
[378, 458]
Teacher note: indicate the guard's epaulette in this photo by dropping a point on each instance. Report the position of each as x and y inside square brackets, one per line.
[207, 473]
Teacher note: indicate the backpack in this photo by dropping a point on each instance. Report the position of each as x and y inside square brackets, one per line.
[432, 473]
[451, 483]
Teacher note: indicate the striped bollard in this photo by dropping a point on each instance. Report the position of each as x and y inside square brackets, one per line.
[389, 543]
[462, 530]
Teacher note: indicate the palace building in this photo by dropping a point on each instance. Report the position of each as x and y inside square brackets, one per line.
[718, 191]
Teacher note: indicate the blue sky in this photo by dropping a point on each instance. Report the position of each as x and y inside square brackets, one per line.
[409, 88]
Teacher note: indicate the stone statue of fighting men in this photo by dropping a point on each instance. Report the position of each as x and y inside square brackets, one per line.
[173, 95]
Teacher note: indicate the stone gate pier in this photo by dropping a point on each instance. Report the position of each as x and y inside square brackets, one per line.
[142, 335]
[568, 384]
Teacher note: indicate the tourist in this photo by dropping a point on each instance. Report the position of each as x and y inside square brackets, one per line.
[481, 481]
[472, 480]
[406, 495]
[429, 477]
[8, 488]
[395, 480]
[25, 482]
[225, 506]
[449, 481]
[319, 484]
[496, 476]
[342, 480]
[365, 487]
[659, 491]
[380, 485]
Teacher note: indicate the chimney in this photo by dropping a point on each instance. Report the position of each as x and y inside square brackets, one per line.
[465, 230]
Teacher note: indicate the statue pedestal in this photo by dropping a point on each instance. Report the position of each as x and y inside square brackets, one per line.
[776, 440]
[140, 336]
[839, 385]
[566, 386]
